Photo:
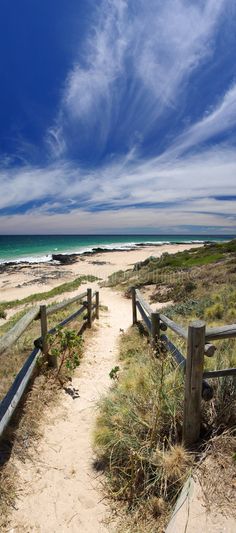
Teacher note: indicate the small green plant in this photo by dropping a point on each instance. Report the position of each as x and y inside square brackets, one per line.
[190, 286]
[231, 313]
[2, 313]
[114, 372]
[214, 311]
[66, 345]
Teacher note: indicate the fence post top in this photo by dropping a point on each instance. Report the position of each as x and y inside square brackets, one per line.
[197, 324]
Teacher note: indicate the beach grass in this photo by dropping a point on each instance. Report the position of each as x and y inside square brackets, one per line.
[139, 426]
[56, 291]
[138, 432]
[138, 435]
[174, 271]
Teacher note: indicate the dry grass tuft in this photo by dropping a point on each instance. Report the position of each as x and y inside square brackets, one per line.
[174, 463]
[149, 517]
[138, 432]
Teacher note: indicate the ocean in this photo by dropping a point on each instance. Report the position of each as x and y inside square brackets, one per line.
[39, 248]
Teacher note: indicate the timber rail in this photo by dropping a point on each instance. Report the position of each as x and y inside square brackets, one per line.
[90, 304]
[198, 344]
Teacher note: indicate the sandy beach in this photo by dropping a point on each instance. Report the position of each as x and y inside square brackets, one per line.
[20, 280]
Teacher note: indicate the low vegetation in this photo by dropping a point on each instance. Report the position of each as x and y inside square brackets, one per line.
[56, 291]
[26, 424]
[176, 276]
[66, 348]
[12, 361]
[2, 312]
[138, 434]
[197, 292]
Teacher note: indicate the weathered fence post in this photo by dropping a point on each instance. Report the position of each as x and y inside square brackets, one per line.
[44, 328]
[97, 304]
[134, 308]
[89, 307]
[155, 327]
[52, 360]
[193, 382]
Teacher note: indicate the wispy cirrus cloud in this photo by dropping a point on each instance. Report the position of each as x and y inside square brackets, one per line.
[136, 60]
[222, 119]
[172, 176]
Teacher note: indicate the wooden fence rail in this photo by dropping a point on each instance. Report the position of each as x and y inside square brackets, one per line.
[17, 389]
[197, 337]
[7, 340]
[9, 404]
[62, 305]
[207, 391]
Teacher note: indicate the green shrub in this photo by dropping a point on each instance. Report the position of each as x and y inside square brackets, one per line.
[2, 313]
[214, 311]
[138, 429]
[188, 309]
[66, 345]
[189, 286]
[231, 313]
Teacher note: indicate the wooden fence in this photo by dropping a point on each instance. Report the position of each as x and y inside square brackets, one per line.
[90, 303]
[198, 339]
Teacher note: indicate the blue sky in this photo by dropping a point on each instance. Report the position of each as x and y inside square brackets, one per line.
[118, 116]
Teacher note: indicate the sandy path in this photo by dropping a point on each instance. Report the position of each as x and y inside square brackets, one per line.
[59, 490]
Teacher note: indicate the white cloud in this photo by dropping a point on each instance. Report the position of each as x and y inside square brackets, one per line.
[218, 121]
[104, 56]
[82, 221]
[157, 44]
[186, 185]
[174, 36]
[171, 177]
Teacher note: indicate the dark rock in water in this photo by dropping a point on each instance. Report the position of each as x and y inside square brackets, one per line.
[65, 259]
[99, 251]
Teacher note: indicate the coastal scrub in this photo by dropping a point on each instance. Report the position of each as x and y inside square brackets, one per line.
[138, 433]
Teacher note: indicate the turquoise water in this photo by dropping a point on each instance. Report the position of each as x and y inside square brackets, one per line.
[35, 248]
